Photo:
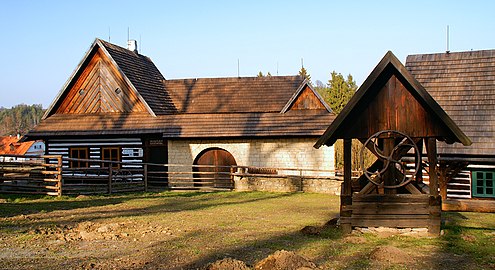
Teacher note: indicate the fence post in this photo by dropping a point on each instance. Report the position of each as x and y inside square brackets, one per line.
[145, 177]
[109, 178]
[59, 176]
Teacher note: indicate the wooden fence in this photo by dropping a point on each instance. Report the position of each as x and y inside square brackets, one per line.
[31, 174]
[52, 175]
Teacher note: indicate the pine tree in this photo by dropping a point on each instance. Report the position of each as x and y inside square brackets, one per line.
[340, 91]
[304, 73]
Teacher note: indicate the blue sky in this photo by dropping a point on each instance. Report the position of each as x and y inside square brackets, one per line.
[42, 42]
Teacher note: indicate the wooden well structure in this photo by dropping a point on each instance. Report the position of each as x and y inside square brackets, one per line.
[394, 117]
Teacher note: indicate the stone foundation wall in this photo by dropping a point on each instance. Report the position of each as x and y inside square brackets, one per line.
[287, 184]
[273, 153]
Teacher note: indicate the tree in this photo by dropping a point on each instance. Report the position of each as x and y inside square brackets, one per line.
[337, 93]
[340, 91]
[19, 119]
[304, 73]
[260, 74]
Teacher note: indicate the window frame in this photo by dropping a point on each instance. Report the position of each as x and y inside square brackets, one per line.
[115, 166]
[79, 150]
[485, 186]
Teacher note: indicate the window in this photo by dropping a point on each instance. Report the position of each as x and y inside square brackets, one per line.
[111, 154]
[80, 153]
[483, 184]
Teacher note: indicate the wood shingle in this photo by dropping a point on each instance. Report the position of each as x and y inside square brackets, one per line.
[185, 108]
[463, 83]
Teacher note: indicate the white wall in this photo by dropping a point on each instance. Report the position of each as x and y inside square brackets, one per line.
[278, 153]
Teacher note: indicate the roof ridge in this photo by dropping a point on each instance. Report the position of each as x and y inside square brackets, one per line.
[456, 55]
[237, 78]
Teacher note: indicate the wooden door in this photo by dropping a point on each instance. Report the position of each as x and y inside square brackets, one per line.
[157, 154]
[217, 176]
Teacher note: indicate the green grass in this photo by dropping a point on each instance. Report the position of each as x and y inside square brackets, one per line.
[208, 226]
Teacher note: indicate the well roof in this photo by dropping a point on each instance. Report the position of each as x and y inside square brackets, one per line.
[444, 128]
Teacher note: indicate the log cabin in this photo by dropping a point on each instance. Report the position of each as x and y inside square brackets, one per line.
[117, 106]
[463, 83]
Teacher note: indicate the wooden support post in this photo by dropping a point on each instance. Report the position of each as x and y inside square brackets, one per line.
[145, 177]
[110, 178]
[389, 176]
[419, 173]
[59, 176]
[346, 191]
[435, 202]
[431, 150]
[442, 182]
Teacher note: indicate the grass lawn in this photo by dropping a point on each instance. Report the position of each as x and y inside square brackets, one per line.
[174, 230]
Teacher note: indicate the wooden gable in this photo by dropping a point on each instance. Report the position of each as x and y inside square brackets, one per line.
[99, 88]
[394, 108]
[306, 98]
[391, 99]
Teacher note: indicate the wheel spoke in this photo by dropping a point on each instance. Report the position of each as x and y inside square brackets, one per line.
[403, 144]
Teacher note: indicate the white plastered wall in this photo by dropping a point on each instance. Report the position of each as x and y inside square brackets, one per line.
[273, 153]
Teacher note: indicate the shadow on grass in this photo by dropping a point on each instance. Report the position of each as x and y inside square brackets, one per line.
[31, 204]
[160, 203]
[467, 235]
[249, 251]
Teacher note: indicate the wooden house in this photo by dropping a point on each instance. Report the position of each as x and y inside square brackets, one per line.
[392, 115]
[117, 106]
[11, 146]
[463, 83]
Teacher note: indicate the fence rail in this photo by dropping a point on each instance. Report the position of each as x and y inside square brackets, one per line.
[31, 174]
[51, 175]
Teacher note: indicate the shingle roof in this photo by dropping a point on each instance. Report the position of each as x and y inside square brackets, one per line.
[231, 95]
[144, 75]
[351, 123]
[463, 83]
[293, 123]
[187, 108]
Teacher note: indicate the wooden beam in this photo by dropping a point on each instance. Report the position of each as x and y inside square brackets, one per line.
[435, 199]
[468, 205]
[431, 151]
[346, 191]
[419, 173]
[347, 167]
[411, 188]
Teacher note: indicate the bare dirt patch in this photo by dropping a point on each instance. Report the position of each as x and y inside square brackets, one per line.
[283, 259]
[227, 264]
[390, 255]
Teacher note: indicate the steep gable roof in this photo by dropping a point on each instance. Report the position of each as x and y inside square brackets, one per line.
[144, 76]
[137, 71]
[304, 95]
[355, 119]
[182, 108]
[463, 83]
